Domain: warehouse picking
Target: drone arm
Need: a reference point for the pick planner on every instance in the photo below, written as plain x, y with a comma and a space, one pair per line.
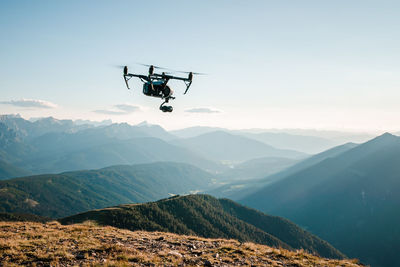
166, 76
128, 76
126, 81
188, 84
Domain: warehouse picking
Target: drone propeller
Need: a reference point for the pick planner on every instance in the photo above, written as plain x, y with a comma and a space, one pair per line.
154, 66
194, 73
187, 72
119, 66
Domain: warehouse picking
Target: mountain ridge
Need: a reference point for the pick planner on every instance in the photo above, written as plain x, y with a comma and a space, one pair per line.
205, 216
58, 195
349, 200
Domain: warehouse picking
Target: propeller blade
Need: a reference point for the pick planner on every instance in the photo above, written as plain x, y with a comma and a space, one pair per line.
154, 66
187, 72
119, 66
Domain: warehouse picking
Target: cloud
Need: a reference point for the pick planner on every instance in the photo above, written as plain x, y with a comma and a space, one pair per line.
120, 109
202, 110
127, 107
29, 103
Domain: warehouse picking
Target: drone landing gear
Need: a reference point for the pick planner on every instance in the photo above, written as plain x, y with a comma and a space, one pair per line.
166, 108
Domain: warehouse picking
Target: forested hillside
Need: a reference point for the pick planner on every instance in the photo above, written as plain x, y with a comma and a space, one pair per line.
206, 216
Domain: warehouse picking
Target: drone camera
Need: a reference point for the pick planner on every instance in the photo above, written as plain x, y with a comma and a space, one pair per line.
166, 108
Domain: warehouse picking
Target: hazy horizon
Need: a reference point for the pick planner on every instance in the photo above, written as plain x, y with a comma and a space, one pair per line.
299, 131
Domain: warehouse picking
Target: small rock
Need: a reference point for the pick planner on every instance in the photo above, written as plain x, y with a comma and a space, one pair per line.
175, 253
160, 238
207, 263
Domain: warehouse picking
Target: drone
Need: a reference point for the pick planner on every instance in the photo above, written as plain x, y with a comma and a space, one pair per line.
155, 84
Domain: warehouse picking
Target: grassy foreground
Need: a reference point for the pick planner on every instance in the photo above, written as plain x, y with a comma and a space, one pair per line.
53, 244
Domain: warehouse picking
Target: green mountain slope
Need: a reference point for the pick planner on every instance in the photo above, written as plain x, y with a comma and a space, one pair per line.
206, 216
57, 195
21, 217
350, 200
9, 171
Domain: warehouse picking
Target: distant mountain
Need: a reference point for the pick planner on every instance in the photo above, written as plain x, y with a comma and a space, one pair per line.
32, 129
256, 168
93, 123
350, 200
57, 195
125, 131
239, 189
57, 153
12, 147
9, 171
206, 216
224, 146
48, 145
42, 126
308, 141
339, 137
196, 131
303, 143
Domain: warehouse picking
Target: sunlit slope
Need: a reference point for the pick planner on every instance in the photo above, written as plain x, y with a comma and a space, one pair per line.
86, 244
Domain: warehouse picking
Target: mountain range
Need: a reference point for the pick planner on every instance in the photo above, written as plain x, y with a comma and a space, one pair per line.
223, 146
346, 194
237, 190
58, 195
351, 200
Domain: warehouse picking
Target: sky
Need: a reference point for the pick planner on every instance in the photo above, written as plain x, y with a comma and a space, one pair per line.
270, 64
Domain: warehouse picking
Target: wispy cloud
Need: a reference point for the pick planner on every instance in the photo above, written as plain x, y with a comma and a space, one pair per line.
120, 109
127, 107
29, 103
202, 110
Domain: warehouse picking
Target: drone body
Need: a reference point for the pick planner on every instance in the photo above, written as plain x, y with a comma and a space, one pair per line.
155, 84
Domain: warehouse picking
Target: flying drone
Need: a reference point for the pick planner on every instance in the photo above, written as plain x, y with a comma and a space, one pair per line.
155, 84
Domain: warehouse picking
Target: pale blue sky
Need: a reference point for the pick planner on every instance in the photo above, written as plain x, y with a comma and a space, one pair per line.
271, 64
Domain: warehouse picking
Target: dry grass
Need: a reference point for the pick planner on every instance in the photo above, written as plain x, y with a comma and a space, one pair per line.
52, 244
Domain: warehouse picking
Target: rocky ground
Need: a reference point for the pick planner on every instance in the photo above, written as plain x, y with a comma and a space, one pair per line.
53, 244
